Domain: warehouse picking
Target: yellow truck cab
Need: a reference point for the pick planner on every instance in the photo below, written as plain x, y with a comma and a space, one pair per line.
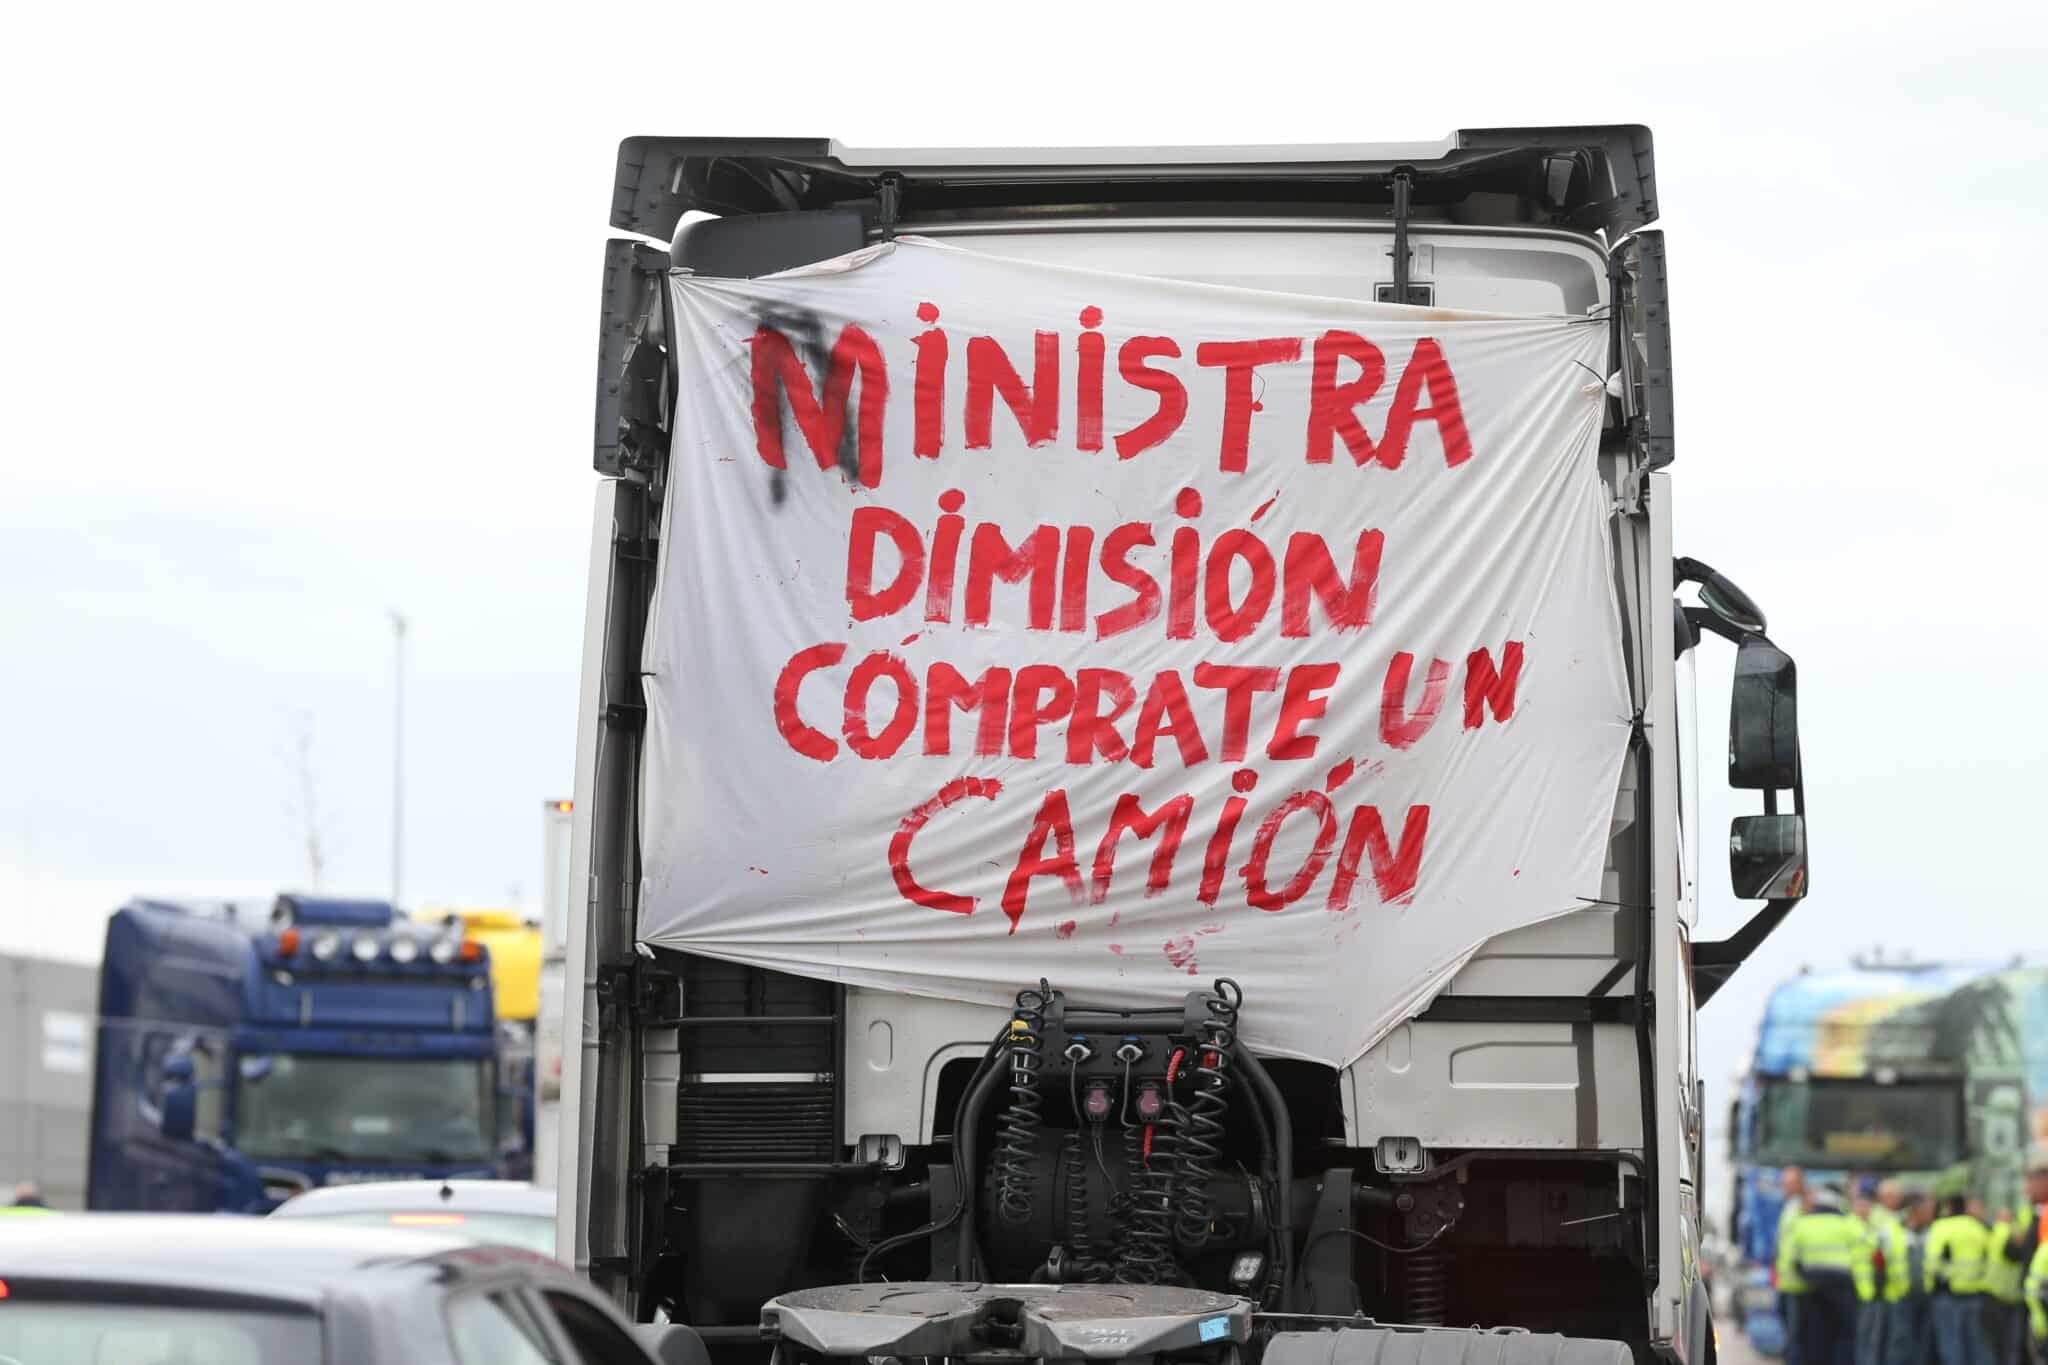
513, 942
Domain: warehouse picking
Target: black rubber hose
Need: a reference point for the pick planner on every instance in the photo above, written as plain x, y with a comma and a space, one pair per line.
965, 1127
1275, 1238
962, 1188
1283, 1166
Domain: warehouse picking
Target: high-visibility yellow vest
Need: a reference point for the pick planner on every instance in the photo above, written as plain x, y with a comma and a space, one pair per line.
1888, 1241
1788, 1275
2004, 1280
1823, 1243
25, 1208
1958, 1248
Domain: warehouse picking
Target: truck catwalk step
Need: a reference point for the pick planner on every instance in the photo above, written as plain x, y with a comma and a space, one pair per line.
1439, 1346
1029, 1321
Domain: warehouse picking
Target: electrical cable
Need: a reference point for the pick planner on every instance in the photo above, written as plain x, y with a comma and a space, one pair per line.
1094, 1126
1023, 1119
962, 1189
1422, 1245
1198, 1128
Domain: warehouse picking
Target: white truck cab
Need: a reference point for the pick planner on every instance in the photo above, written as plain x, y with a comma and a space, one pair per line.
1524, 1153
557, 902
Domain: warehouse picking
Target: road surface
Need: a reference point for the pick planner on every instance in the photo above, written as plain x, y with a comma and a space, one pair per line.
1735, 1350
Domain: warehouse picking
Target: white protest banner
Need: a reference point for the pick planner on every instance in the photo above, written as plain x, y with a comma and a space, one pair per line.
1020, 621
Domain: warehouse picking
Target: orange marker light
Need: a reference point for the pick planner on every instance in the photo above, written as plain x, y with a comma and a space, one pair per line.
288, 942
565, 805
3, 1289
425, 1220
471, 950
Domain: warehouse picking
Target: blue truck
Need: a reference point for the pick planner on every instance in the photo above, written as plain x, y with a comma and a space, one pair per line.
245, 1055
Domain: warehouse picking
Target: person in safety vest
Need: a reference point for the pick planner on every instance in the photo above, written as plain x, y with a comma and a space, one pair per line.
2030, 1231
2005, 1302
1827, 1251
2037, 1300
1958, 1247
1792, 1183
1886, 1332
1915, 1345
1861, 1207
27, 1199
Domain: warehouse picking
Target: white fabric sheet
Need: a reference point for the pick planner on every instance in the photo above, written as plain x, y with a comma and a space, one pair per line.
820, 799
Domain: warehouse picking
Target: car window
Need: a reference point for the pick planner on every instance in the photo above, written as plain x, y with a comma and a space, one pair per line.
209, 1101
497, 1329
597, 1339
82, 1332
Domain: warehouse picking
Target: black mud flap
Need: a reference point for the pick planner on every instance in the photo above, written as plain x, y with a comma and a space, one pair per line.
1439, 1346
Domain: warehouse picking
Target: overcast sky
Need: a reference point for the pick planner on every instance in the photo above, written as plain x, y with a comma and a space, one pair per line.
300, 318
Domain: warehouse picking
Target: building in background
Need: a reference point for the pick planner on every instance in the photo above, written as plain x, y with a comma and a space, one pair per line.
46, 1016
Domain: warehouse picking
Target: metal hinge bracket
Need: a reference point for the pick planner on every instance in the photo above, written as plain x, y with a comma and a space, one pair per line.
659, 998
888, 203
1633, 500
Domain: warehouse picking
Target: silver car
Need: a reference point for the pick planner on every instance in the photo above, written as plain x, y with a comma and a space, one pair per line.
509, 1212
172, 1289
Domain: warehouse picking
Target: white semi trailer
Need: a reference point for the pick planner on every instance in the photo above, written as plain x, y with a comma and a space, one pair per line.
813, 1112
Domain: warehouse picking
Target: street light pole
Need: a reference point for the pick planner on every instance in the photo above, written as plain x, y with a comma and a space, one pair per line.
397, 756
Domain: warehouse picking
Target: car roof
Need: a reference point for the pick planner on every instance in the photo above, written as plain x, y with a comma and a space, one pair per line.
456, 1196
258, 1258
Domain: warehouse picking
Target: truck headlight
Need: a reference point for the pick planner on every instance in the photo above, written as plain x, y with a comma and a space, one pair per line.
444, 950
364, 948
404, 949
326, 947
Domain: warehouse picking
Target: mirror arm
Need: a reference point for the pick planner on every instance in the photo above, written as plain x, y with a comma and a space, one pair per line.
1703, 619
1715, 962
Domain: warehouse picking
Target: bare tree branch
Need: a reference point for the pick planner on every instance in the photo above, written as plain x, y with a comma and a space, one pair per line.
303, 802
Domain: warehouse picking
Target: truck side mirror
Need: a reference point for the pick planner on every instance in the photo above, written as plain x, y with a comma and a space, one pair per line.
1767, 857
1763, 718
179, 1112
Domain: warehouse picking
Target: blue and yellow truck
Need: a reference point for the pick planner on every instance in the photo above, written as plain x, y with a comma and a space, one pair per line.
1934, 1073
245, 1053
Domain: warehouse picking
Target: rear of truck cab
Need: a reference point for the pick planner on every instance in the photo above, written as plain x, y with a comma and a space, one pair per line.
1526, 1150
